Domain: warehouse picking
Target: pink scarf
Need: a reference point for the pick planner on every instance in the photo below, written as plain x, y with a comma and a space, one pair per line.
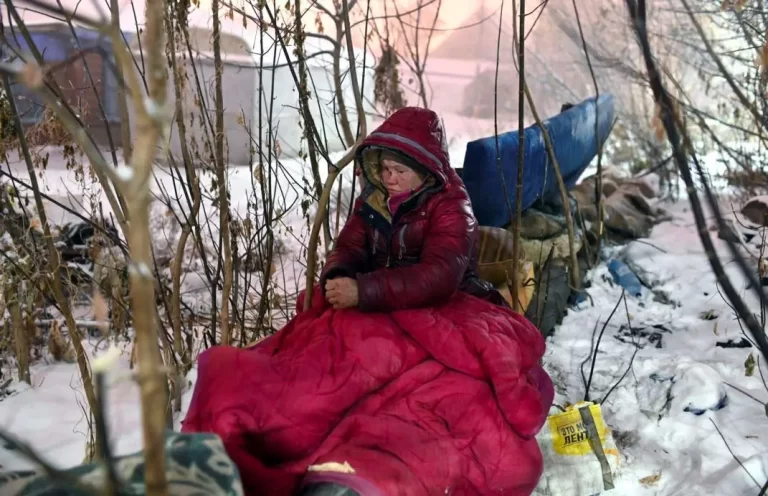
394, 201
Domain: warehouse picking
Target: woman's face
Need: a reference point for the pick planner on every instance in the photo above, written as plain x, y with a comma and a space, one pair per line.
397, 177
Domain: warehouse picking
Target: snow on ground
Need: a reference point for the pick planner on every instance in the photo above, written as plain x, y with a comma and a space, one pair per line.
655, 436
49, 414
647, 410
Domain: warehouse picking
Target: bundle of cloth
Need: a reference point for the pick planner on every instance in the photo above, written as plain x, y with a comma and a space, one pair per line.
408, 374
630, 214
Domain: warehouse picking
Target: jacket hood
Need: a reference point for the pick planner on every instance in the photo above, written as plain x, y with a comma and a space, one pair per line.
417, 134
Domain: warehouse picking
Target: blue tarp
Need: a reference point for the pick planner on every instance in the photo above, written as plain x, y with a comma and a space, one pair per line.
573, 138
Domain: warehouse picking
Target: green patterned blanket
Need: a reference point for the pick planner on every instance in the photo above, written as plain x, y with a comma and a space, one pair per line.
197, 465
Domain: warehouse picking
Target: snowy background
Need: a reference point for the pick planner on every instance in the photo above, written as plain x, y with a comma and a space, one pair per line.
688, 416
675, 389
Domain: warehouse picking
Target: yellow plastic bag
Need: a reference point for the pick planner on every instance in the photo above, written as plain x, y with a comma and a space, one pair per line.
580, 455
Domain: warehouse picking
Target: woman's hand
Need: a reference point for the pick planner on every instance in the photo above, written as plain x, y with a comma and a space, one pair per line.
342, 292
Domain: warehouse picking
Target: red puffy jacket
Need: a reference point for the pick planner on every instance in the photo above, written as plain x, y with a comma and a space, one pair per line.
429, 246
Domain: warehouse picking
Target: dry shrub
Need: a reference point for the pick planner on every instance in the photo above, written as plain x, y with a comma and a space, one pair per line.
58, 346
752, 182
48, 131
387, 91
7, 130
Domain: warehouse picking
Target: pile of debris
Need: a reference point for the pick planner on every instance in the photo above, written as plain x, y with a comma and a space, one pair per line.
545, 290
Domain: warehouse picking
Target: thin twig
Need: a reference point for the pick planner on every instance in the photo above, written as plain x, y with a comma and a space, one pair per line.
597, 346
743, 392
598, 143
502, 179
520, 151
631, 360
325, 197
733, 454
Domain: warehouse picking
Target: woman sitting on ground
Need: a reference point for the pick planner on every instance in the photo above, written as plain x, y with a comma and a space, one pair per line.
408, 375
416, 214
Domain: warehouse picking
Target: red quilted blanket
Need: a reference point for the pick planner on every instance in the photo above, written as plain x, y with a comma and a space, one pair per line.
444, 400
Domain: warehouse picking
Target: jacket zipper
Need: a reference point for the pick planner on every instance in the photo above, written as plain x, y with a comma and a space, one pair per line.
401, 250
389, 251
402, 242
